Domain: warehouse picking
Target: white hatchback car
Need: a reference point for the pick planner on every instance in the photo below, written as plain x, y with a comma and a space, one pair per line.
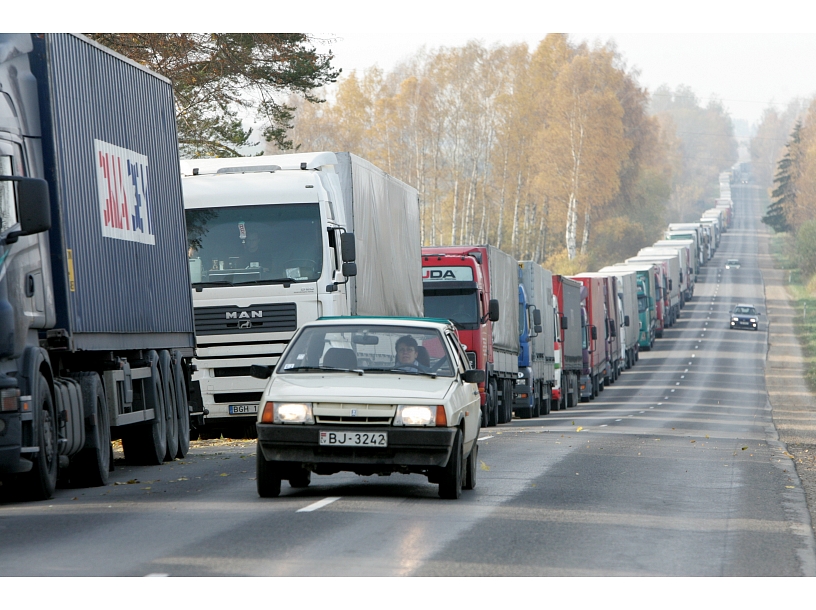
370, 396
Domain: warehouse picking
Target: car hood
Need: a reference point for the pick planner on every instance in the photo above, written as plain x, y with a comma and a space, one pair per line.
372, 388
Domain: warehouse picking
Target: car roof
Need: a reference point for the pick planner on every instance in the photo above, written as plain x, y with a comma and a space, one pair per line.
744, 305
438, 323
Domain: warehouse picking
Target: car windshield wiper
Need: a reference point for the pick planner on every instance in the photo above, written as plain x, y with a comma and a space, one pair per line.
360, 372
200, 285
398, 370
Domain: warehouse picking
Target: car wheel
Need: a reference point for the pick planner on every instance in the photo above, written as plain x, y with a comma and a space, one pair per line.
450, 481
300, 477
471, 467
267, 475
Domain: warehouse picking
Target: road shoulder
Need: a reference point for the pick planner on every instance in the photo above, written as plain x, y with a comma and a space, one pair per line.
792, 402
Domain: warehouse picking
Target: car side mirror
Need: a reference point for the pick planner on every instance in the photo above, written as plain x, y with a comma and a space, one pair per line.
626, 320
348, 249
260, 371
473, 376
493, 310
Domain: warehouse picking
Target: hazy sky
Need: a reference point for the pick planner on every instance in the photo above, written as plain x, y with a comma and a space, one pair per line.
745, 71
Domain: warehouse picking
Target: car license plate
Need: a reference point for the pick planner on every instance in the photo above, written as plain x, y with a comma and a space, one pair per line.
348, 438
243, 409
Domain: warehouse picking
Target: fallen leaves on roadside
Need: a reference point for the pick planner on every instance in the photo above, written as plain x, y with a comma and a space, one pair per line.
744, 448
788, 455
483, 466
223, 474
790, 487
579, 428
693, 441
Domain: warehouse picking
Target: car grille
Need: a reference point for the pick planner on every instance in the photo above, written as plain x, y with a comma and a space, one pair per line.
337, 419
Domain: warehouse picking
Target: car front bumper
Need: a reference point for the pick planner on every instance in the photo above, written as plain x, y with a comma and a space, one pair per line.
409, 448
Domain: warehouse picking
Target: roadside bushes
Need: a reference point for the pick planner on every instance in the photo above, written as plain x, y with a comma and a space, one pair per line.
806, 248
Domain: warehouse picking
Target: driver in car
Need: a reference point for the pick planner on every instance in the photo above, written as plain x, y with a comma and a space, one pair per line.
408, 356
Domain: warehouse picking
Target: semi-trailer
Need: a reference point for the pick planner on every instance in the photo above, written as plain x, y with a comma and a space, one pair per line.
593, 340
615, 357
689, 264
96, 319
628, 306
571, 325
477, 288
277, 241
647, 283
672, 279
536, 375
679, 274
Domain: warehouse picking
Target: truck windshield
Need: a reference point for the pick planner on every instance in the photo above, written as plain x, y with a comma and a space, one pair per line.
255, 244
643, 303
368, 348
460, 306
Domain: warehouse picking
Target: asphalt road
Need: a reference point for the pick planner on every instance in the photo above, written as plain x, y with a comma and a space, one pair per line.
674, 470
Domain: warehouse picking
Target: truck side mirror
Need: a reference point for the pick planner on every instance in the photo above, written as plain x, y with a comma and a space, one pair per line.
594, 333
537, 329
537, 317
33, 206
260, 371
348, 250
564, 323
349, 269
670, 285
493, 310
626, 320
613, 332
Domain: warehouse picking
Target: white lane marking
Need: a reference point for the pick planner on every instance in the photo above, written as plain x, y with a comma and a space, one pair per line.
672, 390
155, 574
693, 356
651, 407
659, 404
677, 383
484, 438
318, 504
618, 420
682, 376
686, 371
642, 411
689, 364
603, 425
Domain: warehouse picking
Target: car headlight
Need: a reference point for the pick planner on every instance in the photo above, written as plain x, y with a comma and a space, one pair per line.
735, 319
287, 413
753, 320
420, 415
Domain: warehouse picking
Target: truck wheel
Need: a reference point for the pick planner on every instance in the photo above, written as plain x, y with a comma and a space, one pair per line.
147, 444
182, 408
537, 400
40, 481
501, 417
507, 399
546, 400
471, 467
90, 467
267, 475
451, 479
170, 408
492, 404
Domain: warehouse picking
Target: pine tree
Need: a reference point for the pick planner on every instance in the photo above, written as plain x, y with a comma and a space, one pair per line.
784, 195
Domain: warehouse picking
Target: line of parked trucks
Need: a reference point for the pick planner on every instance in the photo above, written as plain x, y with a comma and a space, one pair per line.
136, 291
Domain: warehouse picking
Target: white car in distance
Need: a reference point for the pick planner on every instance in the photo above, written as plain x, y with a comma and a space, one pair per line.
370, 396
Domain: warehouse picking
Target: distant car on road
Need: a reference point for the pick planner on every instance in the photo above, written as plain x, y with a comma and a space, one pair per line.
370, 396
744, 316
732, 263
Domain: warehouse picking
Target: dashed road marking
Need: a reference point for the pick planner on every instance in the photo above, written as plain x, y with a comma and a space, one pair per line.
484, 438
316, 505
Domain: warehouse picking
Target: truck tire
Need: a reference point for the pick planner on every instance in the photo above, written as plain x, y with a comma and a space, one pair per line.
170, 408
147, 443
492, 404
501, 410
182, 408
40, 481
90, 467
267, 475
452, 475
471, 468
546, 400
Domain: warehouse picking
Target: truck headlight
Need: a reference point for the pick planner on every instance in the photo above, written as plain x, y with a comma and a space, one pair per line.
287, 413
420, 415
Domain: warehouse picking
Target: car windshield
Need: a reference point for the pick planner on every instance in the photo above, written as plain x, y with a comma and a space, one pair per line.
733, 261
254, 244
368, 348
747, 311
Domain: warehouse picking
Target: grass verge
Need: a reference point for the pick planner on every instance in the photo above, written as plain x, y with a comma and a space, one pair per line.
803, 293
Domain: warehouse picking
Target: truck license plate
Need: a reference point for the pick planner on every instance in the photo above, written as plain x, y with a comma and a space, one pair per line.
348, 438
243, 409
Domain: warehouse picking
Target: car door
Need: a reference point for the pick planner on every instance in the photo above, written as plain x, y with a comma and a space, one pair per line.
465, 397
